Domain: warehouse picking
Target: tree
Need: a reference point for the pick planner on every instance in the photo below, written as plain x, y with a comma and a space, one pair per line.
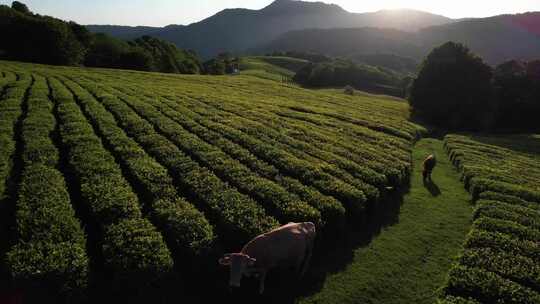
214, 67
453, 89
136, 59
82, 34
20, 7
516, 88
55, 43
105, 52
303, 75
44, 39
510, 83
35, 38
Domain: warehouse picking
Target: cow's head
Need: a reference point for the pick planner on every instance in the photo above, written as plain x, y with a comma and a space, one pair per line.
239, 264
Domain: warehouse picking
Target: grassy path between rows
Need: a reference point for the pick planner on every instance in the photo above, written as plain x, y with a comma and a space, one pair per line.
408, 261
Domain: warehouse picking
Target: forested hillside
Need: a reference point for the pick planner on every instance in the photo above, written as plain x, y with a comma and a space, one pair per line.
288, 25
496, 39
237, 30
42, 39
347, 42
487, 37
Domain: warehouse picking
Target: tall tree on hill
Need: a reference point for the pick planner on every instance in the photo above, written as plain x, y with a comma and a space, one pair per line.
517, 87
20, 7
510, 84
453, 89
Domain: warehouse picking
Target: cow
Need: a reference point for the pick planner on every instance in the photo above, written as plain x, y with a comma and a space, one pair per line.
286, 246
429, 164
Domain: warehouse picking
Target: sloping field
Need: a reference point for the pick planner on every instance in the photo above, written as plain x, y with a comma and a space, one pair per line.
501, 261
271, 68
116, 180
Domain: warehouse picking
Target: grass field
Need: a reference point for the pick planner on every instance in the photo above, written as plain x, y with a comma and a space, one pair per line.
271, 68
408, 260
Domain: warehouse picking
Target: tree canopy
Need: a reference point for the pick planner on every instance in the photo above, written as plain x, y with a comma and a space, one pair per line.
42, 39
34, 38
517, 88
453, 89
456, 90
20, 7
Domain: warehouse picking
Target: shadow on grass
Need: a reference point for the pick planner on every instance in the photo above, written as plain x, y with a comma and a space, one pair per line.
6, 240
331, 255
430, 185
433, 131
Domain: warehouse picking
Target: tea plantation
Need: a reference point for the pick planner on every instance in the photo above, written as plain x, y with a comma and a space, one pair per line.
124, 185
501, 261
117, 180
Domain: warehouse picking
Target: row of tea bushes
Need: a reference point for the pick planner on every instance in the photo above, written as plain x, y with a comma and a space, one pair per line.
501, 260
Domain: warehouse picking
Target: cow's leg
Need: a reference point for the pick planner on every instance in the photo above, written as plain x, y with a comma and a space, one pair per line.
262, 278
251, 272
298, 265
307, 259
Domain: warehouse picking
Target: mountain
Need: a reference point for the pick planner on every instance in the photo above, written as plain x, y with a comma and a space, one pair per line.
495, 39
240, 29
347, 42
287, 25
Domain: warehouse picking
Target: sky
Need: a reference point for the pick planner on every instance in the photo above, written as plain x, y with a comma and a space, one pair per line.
165, 12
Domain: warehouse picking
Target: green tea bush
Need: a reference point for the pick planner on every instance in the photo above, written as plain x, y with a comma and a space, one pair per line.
520, 269
50, 245
504, 211
507, 227
135, 254
50, 268
502, 250
281, 204
10, 111
108, 197
182, 224
488, 287
514, 200
331, 210
234, 214
456, 300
